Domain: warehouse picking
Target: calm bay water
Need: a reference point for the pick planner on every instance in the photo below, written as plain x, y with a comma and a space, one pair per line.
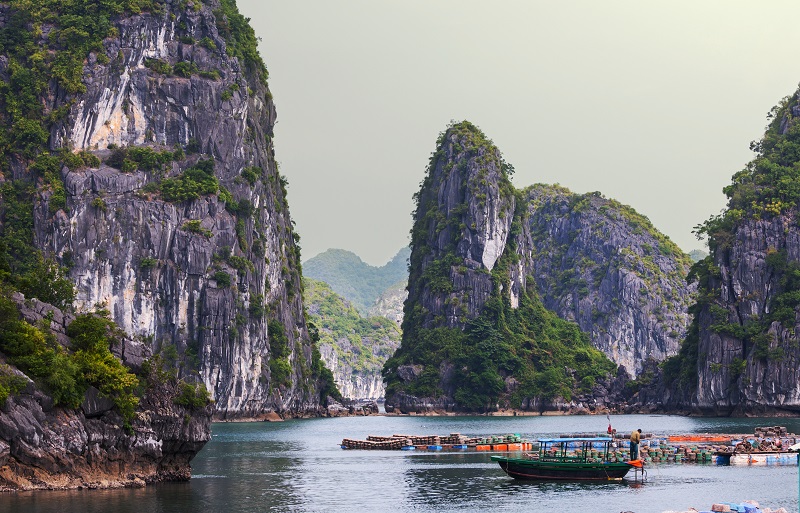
298, 466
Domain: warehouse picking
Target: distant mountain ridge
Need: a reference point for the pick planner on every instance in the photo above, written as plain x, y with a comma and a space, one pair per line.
355, 280
697, 254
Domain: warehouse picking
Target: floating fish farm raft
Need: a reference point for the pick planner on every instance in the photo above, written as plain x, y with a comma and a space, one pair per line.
683, 448
451, 442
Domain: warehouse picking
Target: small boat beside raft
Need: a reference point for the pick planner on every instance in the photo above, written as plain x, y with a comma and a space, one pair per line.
756, 458
569, 459
758, 452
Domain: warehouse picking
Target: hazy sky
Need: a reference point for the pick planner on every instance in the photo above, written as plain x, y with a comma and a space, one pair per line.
651, 103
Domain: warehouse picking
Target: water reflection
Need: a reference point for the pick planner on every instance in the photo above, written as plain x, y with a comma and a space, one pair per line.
298, 466
253, 472
469, 481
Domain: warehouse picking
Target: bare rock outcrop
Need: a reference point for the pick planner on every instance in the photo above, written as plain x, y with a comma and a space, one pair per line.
44, 446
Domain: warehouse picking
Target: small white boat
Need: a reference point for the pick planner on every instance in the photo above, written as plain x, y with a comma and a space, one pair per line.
756, 458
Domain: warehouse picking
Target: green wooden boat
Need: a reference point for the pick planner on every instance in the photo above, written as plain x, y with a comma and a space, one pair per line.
568, 459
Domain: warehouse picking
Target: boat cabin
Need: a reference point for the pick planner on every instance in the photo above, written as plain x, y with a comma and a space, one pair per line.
575, 449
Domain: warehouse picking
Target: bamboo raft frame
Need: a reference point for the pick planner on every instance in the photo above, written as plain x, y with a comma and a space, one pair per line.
453, 441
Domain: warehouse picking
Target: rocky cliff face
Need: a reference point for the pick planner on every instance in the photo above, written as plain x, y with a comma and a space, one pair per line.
390, 303
353, 347
742, 350
463, 220
600, 264
476, 335
45, 446
356, 385
42, 447
205, 261
753, 372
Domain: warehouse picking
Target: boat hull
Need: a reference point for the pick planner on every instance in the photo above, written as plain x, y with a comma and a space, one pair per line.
562, 471
757, 458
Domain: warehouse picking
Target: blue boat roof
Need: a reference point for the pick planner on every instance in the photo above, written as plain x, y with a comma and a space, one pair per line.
592, 439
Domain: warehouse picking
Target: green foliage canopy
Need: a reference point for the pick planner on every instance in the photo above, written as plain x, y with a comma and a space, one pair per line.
196, 181
67, 375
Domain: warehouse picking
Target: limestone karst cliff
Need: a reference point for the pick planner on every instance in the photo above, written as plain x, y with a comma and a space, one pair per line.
741, 354
390, 303
486, 259
474, 336
139, 181
602, 265
180, 226
353, 347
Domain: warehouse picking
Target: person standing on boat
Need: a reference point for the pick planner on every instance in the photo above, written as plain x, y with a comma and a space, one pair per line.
636, 437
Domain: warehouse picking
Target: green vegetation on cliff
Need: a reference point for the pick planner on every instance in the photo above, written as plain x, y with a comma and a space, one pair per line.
47, 44
53, 56
362, 343
64, 374
240, 38
28, 113
647, 247
76, 29
22, 266
504, 355
769, 185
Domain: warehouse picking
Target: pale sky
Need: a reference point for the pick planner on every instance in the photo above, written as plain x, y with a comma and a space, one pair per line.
651, 103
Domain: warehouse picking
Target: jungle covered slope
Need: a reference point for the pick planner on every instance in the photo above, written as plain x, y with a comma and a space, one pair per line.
742, 352
353, 346
138, 165
471, 341
353, 279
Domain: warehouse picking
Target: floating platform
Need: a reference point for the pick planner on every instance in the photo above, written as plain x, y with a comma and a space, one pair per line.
679, 448
451, 442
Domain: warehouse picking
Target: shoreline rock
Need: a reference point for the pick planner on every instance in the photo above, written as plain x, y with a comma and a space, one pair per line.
44, 448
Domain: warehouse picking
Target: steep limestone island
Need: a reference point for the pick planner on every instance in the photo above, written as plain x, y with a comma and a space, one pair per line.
149, 272
488, 261
741, 354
